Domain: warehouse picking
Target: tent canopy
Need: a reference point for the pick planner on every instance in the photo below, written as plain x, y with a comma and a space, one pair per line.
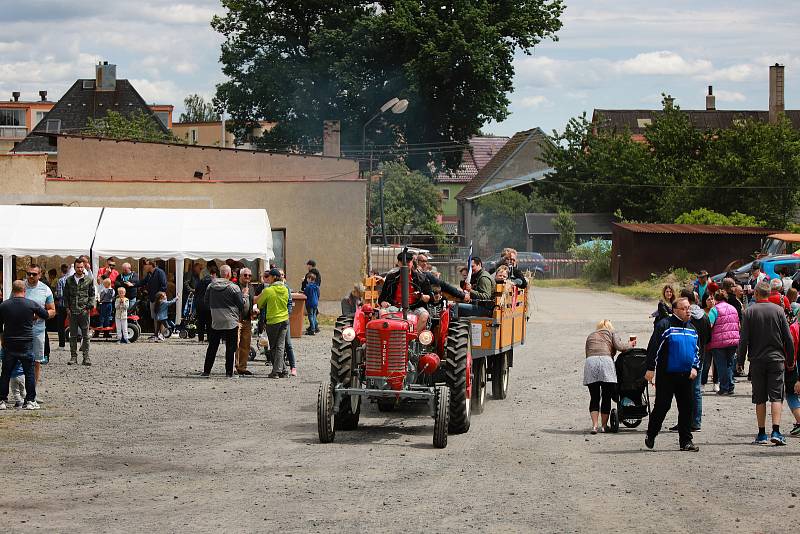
207, 234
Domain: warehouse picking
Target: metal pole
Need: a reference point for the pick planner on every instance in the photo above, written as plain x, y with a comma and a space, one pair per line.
383, 222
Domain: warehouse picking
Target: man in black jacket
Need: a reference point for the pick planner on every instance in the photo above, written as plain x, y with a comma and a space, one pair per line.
203, 313
419, 290
155, 282
16, 321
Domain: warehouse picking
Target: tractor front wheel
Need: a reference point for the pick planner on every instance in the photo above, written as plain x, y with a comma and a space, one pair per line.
455, 366
442, 418
325, 415
478, 385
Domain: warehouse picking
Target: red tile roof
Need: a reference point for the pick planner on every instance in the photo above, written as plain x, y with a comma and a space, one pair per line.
480, 151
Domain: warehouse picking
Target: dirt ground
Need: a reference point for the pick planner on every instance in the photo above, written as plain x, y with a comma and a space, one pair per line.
132, 445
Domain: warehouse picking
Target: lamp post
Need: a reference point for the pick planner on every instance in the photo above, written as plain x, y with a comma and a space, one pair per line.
397, 106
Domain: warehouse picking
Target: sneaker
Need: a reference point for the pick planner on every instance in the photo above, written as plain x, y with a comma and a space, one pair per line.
795, 431
293, 372
777, 438
18, 404
729, 393
87, 361
761, 439
3, 405
246, 373
716, 388
593, 431
30, 405
73, 361
696, 429
205, 374
649, 442
316, 330
690, 447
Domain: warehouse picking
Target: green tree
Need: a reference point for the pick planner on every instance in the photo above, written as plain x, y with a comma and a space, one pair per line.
411, 202
501, 218
707, 216
138, 126
564, 224
299, 63
198, 110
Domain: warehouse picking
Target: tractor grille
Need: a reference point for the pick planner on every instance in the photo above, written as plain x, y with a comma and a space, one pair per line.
386, 352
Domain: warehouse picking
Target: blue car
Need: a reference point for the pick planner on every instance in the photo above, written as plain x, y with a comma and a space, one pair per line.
780, 266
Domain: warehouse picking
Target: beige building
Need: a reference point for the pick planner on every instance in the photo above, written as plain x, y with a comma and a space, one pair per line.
210, 134
316, 204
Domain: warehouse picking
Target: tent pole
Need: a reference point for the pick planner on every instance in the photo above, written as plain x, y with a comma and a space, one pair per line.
178, 289
8, 276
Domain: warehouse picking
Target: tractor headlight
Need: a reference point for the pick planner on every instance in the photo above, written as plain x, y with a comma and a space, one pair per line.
426, 337
348, 334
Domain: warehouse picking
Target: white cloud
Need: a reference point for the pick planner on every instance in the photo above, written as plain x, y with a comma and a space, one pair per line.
7, 47
729, 96
533, 102
735, 73
158, 91
662, 62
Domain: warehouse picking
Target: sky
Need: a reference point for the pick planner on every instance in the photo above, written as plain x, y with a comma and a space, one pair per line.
610, 54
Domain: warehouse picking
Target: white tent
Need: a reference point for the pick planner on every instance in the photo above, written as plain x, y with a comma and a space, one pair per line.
183, 234
44, 231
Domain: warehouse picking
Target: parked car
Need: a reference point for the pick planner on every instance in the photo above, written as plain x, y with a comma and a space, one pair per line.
526, 261
782, 266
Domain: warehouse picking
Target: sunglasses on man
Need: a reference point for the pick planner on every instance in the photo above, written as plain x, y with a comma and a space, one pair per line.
33, 274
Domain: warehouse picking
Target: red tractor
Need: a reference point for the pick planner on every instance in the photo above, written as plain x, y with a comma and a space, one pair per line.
384, 360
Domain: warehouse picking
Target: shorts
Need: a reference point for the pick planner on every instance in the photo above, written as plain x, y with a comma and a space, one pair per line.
767, 379
37, 350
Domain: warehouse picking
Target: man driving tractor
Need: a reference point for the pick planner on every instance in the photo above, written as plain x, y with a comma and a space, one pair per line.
419, 293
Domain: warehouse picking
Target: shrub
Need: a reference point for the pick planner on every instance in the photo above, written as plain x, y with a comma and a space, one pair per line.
598, 256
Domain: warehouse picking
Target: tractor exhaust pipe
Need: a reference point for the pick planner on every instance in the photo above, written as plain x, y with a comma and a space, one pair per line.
404, 283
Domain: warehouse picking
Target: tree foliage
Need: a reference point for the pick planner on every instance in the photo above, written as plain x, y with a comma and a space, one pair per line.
411, 202
565, 225
198, 110
299, 63
501, 216
138, 126
707, 216
752, 167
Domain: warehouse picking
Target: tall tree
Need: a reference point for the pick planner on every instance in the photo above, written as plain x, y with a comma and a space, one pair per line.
198, 110
411, 202
299, 63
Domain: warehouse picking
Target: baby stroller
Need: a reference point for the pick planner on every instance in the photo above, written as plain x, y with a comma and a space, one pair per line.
632, 397
188, 327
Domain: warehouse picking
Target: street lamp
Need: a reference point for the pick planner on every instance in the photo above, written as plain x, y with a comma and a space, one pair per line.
397, 106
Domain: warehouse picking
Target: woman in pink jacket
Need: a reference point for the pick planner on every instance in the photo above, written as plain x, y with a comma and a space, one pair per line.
724, 339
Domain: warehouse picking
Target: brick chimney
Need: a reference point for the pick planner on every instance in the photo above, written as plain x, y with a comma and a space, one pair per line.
711, 102
776, 105
331, 138
105, 77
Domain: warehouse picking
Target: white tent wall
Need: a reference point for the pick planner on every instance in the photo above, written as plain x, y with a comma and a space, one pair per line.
44, 231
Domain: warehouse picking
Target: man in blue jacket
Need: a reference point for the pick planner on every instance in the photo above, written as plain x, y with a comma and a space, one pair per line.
673, 353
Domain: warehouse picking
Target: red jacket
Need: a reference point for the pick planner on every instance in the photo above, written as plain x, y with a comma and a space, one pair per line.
776, 297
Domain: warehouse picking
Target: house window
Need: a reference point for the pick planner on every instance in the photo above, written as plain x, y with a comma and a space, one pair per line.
37, 118
644, 122
12, 117
163, 116
445, 194
193, 136
279, 247
53, 125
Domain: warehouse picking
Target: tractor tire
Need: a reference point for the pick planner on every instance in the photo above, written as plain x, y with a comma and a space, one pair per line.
133, 332
500, 375
442, 418
342, 353
455, 367
325, 427
478, 385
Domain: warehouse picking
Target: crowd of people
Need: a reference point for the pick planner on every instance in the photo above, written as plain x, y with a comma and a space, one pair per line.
708, 331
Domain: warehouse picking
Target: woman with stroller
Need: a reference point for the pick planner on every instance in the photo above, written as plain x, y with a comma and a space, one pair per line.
599, 374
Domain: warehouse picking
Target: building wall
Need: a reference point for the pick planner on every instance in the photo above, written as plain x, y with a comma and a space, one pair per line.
450, 207
324, 220
206, 133
30, 108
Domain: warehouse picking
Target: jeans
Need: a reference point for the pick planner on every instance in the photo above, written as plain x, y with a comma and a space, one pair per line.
79, 321
277, 342
106, 314
473, 310
707, 361
724, 364
697, 412
669, 386
61, 319
10, 360
289, 347
231, 344
132, 306
312, 318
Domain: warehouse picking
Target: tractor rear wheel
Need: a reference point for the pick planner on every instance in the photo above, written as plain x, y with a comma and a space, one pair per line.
325, 427
455, 366
342, 373
442, 418
500, 373
478, 385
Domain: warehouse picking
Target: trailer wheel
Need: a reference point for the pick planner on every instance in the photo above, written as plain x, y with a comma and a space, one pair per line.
325, 427
456, 355
442, 417
133, 332
500, 373
478, 385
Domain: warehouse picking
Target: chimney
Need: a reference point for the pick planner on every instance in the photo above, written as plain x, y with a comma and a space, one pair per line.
331, 138
776, 106
105, 77
711, 102
15, 94
43, 94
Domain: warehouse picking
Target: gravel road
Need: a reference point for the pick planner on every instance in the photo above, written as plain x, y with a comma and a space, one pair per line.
132, 444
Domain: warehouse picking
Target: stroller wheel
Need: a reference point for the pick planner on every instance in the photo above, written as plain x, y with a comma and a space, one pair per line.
183, 334
613, 421
631, 423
